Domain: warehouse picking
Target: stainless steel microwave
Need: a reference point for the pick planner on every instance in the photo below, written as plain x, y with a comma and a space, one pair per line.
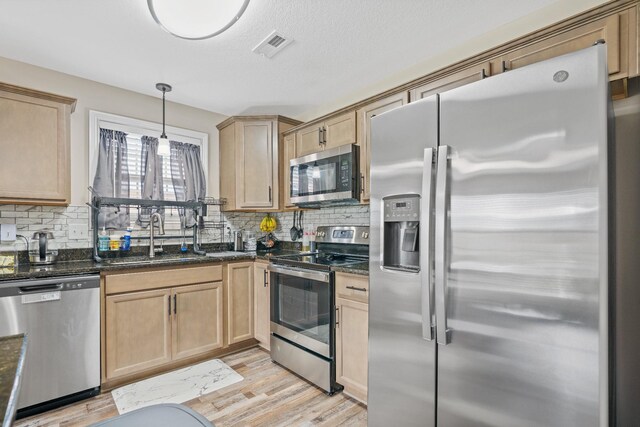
327, 177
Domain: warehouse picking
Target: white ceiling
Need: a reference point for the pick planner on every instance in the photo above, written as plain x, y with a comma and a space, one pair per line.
340, 46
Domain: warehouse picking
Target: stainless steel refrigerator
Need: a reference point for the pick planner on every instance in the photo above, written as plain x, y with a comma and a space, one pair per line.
489, 252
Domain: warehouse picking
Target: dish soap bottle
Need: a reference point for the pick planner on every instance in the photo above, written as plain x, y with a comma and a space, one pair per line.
103, 240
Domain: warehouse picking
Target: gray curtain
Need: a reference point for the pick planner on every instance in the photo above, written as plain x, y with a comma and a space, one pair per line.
187, 175
151, 173
112, 177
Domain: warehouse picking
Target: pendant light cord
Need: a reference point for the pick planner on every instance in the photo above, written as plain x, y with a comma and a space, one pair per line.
164, 88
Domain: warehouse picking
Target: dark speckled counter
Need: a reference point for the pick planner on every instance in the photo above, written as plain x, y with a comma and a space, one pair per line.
12, 351
86, 266
71, 268
361, 268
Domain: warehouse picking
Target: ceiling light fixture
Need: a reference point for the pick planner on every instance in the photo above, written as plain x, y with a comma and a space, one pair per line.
163, 142
196, 19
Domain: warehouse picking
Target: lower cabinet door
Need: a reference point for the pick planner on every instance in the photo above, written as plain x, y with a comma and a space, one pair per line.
262, 324
352, 332
240, 301
137, 331
197, 319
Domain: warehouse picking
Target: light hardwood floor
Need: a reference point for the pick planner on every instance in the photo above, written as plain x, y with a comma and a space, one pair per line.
268, 396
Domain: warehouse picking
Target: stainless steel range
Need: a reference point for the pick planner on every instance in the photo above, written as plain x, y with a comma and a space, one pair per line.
303, 304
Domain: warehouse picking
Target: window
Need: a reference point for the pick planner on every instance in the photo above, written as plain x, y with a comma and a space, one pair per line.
134, 163
134, 130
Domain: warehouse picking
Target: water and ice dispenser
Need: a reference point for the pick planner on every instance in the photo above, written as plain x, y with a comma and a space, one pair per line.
401, 232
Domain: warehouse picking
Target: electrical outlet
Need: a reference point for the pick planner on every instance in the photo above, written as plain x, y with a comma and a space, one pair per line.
7, 232
78, 231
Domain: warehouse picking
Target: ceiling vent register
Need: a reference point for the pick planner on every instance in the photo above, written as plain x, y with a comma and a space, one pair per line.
272, 44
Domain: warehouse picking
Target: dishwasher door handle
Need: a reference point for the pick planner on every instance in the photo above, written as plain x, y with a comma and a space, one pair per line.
40, 288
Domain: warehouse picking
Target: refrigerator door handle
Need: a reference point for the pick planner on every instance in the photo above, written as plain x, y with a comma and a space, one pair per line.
425, 244
443, 334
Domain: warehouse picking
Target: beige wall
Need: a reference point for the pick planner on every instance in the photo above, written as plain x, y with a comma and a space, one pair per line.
544, 17
97, 96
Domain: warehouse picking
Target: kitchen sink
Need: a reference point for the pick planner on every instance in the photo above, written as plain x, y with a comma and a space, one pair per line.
148, 261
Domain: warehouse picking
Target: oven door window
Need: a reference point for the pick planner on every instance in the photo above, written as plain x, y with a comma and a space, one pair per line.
302, 306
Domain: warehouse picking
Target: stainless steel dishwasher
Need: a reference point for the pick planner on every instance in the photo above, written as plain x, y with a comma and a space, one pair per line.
61, 317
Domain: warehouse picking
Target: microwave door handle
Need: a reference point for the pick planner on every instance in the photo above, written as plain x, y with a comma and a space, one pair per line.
425, 244
443, 333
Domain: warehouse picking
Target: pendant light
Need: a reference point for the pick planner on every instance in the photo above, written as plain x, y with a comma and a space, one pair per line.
163, 142
196, 19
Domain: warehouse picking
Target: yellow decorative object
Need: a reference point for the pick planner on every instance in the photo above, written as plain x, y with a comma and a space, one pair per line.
268, 224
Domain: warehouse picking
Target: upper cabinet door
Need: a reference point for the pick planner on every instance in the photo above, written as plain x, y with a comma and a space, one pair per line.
35, 147
309, 140
607, 29
340, 130
255, 164
364, 133
461, 78
289, 153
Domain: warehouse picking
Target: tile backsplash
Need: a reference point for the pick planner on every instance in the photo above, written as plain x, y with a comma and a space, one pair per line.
57, 219
345, 215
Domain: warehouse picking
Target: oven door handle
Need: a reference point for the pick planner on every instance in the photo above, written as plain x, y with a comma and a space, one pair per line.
318, 276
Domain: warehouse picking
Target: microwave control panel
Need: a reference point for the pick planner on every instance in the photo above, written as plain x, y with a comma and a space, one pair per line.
405, 208
345, 173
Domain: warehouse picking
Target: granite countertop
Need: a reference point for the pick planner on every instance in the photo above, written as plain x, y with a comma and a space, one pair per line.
12, 351
361, 268
88, 266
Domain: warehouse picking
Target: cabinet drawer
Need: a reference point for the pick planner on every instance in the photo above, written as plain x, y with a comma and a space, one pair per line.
164, 278
352, 287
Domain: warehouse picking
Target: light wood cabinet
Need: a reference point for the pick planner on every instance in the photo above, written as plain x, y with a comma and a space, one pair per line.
251, 152
262, 305
619, 31
331, 133
239, 301
154, 319
138, 331
340, 130
309, 140
256, 165
35, 147
364, 115
352, 332
197, 319
460, 78
289, 153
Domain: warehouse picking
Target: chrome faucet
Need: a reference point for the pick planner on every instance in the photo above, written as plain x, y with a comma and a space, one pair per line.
152, 220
